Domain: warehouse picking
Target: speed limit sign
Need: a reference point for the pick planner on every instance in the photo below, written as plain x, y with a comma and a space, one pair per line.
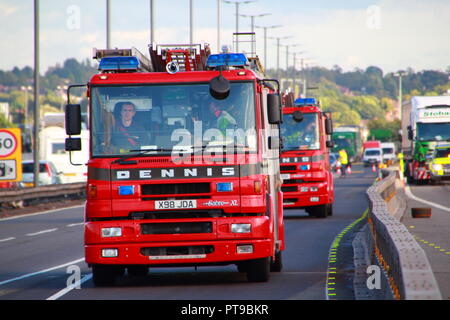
10, 155
8, 143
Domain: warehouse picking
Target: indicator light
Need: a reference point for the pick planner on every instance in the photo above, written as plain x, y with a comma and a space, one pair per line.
126, 190
224, 187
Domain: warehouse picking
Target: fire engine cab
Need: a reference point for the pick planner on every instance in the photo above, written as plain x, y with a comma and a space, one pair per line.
184, 163
305, 167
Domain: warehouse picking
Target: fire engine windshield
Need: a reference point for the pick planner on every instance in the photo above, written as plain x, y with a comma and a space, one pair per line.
302, 135
161, 119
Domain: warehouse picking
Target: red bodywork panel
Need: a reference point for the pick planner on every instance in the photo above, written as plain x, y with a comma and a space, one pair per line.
303, 169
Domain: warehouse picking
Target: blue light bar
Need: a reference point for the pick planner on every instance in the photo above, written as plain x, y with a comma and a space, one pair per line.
227, 59
119, 64
305, 101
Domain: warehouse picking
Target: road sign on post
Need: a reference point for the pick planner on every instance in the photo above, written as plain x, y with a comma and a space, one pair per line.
10, 155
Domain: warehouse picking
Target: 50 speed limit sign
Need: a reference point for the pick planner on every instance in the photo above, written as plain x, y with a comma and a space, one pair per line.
10, 155
8, 143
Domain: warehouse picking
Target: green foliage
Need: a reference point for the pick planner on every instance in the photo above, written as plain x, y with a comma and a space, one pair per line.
384, 130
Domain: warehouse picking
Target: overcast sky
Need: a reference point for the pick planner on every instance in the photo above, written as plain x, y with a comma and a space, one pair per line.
391, 34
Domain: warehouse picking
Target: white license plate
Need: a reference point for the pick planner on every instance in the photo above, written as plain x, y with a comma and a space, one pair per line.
175, 204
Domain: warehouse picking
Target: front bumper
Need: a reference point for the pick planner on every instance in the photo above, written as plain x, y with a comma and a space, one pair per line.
222, 252
182, 246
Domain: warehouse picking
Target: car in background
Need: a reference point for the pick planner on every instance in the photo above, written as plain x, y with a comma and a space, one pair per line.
372, 156
47, 173
440, 163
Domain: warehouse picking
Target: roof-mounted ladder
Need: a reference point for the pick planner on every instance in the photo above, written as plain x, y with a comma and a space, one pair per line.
188, 57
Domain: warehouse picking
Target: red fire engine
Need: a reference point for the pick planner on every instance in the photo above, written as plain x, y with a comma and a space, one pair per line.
184, 163
307, 176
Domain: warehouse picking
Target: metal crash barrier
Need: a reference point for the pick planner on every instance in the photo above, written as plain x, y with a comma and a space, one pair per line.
56, 192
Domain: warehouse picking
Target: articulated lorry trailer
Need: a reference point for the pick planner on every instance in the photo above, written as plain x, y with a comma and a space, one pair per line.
425, 122
184, 163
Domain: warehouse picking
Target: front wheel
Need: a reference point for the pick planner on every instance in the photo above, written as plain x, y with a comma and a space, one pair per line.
105, 275
276, 264
258, 270
330, 209
320, 211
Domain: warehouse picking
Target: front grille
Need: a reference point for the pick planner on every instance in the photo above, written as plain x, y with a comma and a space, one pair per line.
183, 214
175, 251
290, 200
288, 168
175, 188
176, 228
293, 181
187, 214
289, 189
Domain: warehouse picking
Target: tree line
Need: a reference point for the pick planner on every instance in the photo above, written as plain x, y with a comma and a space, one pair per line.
351, 96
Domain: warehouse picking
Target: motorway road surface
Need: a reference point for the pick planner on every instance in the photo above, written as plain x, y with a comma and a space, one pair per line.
432, 233
36, 251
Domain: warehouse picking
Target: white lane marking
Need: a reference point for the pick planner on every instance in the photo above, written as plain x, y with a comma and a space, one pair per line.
75, 224
7, 239
436, 205
66, 290
40, 213
41, 232
42, 271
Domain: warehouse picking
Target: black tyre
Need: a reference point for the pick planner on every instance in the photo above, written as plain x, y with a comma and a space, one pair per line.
259, 270
277, 264
105, 275
137, 271
321, 211
330, 209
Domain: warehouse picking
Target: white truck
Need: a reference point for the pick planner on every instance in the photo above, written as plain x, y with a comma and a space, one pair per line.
425, 121
52, 148
389, 151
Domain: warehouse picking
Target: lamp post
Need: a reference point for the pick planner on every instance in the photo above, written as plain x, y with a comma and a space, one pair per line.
294, 73
287, 54
237, 3
191, 22
252, 19
278, 51
108, 24
36, 131
400, 74
265, 40
152, 22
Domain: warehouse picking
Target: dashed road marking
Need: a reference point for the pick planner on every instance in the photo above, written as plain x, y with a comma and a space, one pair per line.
41, 232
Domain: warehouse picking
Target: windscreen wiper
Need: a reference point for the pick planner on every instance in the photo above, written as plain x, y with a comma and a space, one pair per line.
141, 152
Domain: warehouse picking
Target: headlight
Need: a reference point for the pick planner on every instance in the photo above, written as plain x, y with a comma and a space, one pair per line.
437, 166
241, 228
111, 232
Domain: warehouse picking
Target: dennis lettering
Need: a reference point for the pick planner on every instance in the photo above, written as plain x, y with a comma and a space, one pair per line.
175, 173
